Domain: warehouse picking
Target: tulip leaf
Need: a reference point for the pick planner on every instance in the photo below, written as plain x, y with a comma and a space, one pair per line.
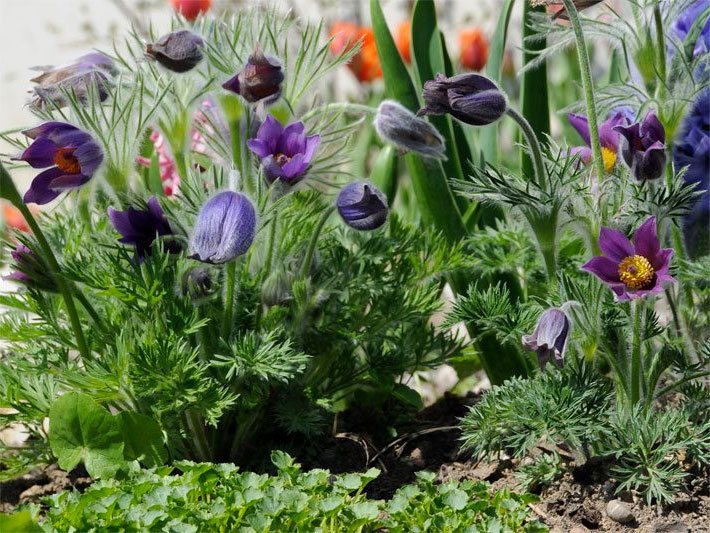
385, 171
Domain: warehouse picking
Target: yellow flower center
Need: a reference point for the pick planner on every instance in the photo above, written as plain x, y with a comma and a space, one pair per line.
636, 272
609, 158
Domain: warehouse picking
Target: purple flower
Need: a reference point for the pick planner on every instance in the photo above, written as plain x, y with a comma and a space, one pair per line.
141, 227
692, 152
285, 153
225, 228
260, 79
399, 126
608, 137
179, 51
362, 206
685, 22
632, 270
471, 98
549, 339
30, 270
644, 150
72, 155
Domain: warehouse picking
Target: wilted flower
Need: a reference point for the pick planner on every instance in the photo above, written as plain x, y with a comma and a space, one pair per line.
632, 270
399, 126
549, 339
473, 49
191, 9
141, 227
72, 155
260, 79
403, 40
225, 228
471, 98
608, 137
692, 152
89, 72
179, 51
644, 150
285, 153
30, 270
365, 64
362, 206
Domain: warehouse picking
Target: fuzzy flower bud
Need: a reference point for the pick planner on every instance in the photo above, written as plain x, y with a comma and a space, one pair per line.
396, 124
178, 51
471, 98
644, 149
30, 270
260, 79
197, 284
225, 228
362, 206
549, 339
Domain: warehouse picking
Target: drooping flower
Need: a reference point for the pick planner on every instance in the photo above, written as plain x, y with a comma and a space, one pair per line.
362, 206
72, 155
471, 98
365, 64
260, 79
473, 49
692, 153
179, 51
608, 137
549, 340
30, 270
632, 270
90, 73
285, 152
225, 228
142, 227
396, 124
191, 9
644, 149
685, 21
403, 40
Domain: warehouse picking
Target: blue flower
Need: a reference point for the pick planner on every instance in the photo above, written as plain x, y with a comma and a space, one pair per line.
685, 22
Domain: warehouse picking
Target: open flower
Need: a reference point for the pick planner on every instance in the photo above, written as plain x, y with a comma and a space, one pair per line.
141, 227
549, 340
473, 49
644, 148
72, 155
632, 270
191, 9
260, 79
608, 137
179, 51
471, 98
398, 125
362, 206
285, 152
365, 64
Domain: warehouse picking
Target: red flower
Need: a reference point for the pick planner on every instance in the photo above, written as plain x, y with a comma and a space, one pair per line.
473, 49
190, 9
366, 63
403, 39
13, 218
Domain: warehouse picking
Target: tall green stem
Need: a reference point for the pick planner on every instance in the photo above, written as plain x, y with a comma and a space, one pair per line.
534, 144
636, 311
308, 259
661, 49
586, 74
229, 299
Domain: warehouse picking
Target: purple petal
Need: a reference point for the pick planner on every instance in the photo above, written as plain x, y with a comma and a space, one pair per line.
584, 153
646, 240
259, 147
272, 169
295, 167
120, 221
40, 154
581, 124
270, 131
154, 208
48, 128
90, 157
68, 181
652, 163
653, 128
312, 144
661, 261
291, 143
615, 244
39, 192
608, 137
232, 84
604, 268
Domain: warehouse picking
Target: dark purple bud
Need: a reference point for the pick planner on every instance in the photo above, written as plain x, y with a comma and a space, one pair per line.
225, 228
549, 339
397, 125
197, 284
179, 51
260, 79
362, 206
643, 147
30, 270
141, 227
471, 98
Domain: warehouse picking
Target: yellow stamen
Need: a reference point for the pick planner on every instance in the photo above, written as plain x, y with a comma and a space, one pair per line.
636, 272
609, 158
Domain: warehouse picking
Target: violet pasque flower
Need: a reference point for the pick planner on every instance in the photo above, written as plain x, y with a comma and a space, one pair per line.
396, 124
549, 340
141, 227
608, 137
72, 155
643, 147
30, 270
92, 71
179, 51
632, 270
225, 228
260, 79
285, 153
685, 21
471, 98
362, 206
692, 153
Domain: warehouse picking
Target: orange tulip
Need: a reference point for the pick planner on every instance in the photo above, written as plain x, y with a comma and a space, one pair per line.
13, 218
366, 63
403, 38
473, 49
190, 9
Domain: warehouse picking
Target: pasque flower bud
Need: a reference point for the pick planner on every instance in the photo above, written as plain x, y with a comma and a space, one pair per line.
362, 206
644, 150
260, 79
197, 284
471, 98
396, 124
549, 339
178, 51
30, 270
225, 228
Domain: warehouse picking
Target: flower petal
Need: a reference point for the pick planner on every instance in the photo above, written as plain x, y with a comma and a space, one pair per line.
581, 124
653, 128
584, 153
90, 157
312, 144
68, 181
661, 261
40, 154
615, 244
48, 128
270, 131
40, 192
259, 147
295, 167
604, 268
646, 240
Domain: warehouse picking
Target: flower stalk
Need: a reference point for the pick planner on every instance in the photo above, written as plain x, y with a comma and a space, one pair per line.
533, 144
310, 251
635, 389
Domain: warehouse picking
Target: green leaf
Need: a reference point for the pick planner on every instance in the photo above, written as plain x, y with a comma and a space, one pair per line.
83, 431
155, 184
408, 396
384, 172
19, 523
456, 499
7, 187
143, 439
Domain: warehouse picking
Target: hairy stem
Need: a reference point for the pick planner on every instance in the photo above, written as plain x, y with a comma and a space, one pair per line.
534, 145
636, 311
229, 300
308, 259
